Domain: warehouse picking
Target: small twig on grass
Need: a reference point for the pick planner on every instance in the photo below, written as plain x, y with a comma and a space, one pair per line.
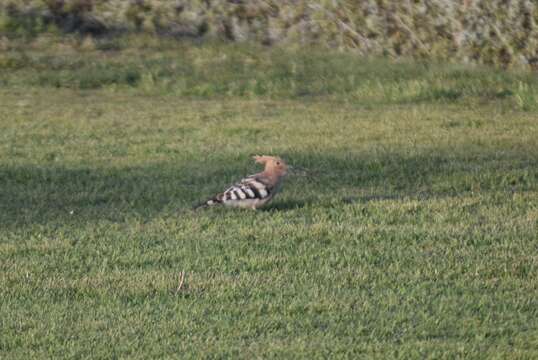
181, 280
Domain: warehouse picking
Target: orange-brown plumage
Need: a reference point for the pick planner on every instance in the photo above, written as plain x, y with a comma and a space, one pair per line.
255, 190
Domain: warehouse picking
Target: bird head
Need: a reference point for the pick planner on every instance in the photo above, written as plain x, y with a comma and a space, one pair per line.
273, 164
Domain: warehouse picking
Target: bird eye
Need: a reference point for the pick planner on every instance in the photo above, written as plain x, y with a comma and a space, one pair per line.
278, 162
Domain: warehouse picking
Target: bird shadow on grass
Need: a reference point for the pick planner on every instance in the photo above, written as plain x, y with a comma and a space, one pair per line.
36, 195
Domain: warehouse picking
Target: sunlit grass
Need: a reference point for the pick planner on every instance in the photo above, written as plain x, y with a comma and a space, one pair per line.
408, 231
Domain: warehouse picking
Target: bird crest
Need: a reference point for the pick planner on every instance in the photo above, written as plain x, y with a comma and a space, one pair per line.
263, 159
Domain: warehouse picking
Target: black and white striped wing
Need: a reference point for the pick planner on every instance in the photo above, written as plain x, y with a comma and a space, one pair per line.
248, 189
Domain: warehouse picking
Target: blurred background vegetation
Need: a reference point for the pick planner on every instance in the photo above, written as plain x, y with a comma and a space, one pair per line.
502, 33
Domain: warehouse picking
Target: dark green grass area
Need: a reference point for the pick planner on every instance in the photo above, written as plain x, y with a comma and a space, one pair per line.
158, 66
409, 228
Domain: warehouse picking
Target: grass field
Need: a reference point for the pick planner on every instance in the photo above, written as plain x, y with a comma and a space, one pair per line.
410, 231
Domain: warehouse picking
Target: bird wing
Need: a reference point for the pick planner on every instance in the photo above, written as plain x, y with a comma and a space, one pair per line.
251, 187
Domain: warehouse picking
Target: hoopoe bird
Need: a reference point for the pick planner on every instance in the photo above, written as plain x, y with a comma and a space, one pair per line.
256, 190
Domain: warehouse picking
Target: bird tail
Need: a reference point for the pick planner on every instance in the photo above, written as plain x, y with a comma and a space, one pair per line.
211, 202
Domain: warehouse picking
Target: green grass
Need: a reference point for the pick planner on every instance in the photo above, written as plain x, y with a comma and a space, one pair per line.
162, 67
411, 230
